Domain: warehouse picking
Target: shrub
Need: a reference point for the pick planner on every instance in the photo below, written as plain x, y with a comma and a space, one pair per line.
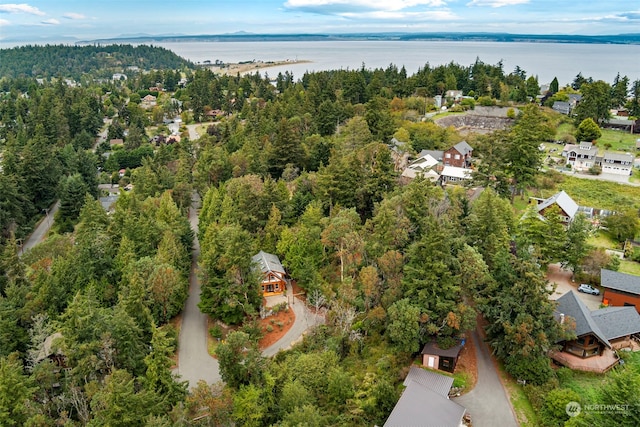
216, 332
554, 408
279, 324
595, 170
269, 328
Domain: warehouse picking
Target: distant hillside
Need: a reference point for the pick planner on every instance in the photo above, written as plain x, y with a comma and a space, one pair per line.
74, 61
497, 37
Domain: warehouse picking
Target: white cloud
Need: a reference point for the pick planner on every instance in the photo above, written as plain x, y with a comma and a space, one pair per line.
72, 15
329, 6
51, 21
20, 8
4, 23
436, 15
496, 3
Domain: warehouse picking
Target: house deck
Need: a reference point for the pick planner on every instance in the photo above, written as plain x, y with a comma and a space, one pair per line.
599, 364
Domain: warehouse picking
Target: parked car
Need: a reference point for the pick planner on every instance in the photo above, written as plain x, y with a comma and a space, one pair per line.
588, 289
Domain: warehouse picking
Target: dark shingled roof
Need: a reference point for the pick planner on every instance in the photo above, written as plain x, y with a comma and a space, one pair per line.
570, 304
421, 407
432, 348
616, 322
620, 281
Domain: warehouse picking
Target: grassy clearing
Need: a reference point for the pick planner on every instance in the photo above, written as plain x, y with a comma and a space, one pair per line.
595, 193
565, 129
620, 141
602, 239
629, 267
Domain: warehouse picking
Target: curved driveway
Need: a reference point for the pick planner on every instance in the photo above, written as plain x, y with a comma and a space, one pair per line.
488, 403
194, 362
304, 320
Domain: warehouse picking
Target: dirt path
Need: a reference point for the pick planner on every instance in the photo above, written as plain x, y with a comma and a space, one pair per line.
194, 362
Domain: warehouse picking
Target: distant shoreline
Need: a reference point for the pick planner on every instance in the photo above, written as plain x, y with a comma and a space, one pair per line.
633, 39
231, 69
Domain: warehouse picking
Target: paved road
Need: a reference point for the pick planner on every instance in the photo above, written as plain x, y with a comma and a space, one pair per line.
193, 135
620, 179
42, 229
304, 320
194, 363
488, 402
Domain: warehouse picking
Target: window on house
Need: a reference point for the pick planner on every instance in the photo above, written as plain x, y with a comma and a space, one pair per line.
457, 156
447, 155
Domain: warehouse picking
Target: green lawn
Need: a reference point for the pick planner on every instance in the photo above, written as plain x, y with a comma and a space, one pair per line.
565, 129
629, 267
597, 194
601, 239
620, 141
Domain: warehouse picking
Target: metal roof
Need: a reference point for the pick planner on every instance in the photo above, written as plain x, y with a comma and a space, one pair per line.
421, 407
268, 262
563, 200
439, 383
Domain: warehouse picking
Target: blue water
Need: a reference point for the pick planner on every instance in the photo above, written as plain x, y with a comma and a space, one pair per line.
545, 60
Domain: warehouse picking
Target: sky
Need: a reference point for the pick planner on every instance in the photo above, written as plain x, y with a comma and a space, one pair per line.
59, 20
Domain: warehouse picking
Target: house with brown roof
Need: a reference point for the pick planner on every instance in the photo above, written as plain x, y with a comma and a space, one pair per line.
435, 357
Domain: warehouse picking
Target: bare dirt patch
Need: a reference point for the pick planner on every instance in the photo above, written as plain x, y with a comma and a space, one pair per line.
274, 327
468, 364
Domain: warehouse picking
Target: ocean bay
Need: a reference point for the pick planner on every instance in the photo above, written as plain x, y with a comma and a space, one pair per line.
545, 60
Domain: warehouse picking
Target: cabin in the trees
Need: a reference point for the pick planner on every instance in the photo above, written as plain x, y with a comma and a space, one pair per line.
425, 402
598, 334
568, 208
435, 357
620, 289
274, 280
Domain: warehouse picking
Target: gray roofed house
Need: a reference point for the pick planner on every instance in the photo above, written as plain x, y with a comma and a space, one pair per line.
425, 402
439, 383
617, 163
420, 406
571, 305
273, 273
598, 333
463, 147
567, 205
616, 322
620, 281
562, 107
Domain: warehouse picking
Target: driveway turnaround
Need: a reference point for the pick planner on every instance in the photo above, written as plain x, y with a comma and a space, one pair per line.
304, 320
194, 361
488, 403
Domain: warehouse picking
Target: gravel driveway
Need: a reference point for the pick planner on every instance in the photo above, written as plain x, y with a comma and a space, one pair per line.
562, 278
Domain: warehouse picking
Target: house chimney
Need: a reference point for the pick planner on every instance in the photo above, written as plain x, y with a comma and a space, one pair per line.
562, 318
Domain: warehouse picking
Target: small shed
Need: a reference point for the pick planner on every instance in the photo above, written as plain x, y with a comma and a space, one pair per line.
435, 357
